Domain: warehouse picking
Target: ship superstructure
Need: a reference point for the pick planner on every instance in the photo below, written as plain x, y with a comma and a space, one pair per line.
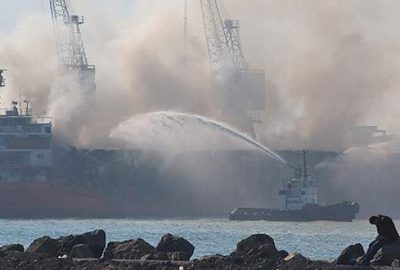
300, 190
25, 144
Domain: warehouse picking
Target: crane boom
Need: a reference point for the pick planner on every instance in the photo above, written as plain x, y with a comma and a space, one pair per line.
215, 35
70, 48
222, 37
239, 93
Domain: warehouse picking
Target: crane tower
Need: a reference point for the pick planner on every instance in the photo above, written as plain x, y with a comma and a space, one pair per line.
239, 92
70, 48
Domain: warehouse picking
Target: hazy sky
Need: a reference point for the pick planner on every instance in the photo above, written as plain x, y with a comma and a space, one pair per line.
14, 11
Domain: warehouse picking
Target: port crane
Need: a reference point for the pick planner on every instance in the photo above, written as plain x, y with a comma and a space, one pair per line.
239, 92
70, 47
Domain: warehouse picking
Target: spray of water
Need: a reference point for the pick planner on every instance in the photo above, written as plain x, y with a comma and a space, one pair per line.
150, 127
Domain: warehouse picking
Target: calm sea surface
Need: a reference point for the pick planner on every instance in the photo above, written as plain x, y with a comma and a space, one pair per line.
321, 240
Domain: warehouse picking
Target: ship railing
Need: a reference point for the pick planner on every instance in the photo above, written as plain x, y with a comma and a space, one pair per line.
41, 120
26, 119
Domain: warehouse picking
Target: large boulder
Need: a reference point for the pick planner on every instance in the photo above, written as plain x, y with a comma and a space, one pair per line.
253, 242
176, 247
45, 245
128, 250
81, 251
387, 254
13, 247
350, 254
257, 251
95, 240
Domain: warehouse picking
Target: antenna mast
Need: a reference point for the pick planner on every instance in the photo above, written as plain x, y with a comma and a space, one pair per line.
185, 27
2, 80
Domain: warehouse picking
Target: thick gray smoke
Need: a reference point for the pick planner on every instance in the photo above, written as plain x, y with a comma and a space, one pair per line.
330, 65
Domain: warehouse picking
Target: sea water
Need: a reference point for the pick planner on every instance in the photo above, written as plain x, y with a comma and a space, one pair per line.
317, 240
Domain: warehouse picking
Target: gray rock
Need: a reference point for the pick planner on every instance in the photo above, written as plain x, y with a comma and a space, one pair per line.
251, 243
387, 254
295, 261
12, 247
45, 245
81, 251
350, 254
283, 254
396, 263
179, 256
96, 241
257, 251
218, 261
129, 250
174, 244
157, 256
33, 261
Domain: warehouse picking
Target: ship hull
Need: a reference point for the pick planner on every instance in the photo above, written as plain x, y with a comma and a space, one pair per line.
345, 212
46, 200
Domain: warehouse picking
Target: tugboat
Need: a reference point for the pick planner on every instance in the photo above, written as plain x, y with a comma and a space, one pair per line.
298, 201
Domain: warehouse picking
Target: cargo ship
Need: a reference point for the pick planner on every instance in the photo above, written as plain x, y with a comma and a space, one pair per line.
298, 201
26, 161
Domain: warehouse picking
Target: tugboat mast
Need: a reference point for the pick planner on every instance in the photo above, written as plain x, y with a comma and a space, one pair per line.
305, 168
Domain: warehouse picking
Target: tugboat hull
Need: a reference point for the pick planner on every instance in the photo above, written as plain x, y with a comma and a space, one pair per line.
345, 212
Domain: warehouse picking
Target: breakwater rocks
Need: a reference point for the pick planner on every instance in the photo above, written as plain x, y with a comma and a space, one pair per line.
89, 251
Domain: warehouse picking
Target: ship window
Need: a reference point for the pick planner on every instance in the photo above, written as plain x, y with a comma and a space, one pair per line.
47, 129
40, 156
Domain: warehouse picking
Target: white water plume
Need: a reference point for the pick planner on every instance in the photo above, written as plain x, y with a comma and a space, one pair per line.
175, 130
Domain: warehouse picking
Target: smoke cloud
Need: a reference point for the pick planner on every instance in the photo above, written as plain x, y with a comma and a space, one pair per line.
330, 65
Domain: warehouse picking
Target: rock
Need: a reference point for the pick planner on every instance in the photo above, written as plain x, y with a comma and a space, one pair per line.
350, 254
218, 261
129, 250
257, 251
157, 256
179, 256
252, 242
32, 261
177, 247
13, 247
68, 242
96, 241
396, 263
81, 251
387, 254
45, 245
283, 254
295, 261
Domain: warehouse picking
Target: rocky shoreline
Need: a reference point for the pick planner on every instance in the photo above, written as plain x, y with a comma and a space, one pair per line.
90, 251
